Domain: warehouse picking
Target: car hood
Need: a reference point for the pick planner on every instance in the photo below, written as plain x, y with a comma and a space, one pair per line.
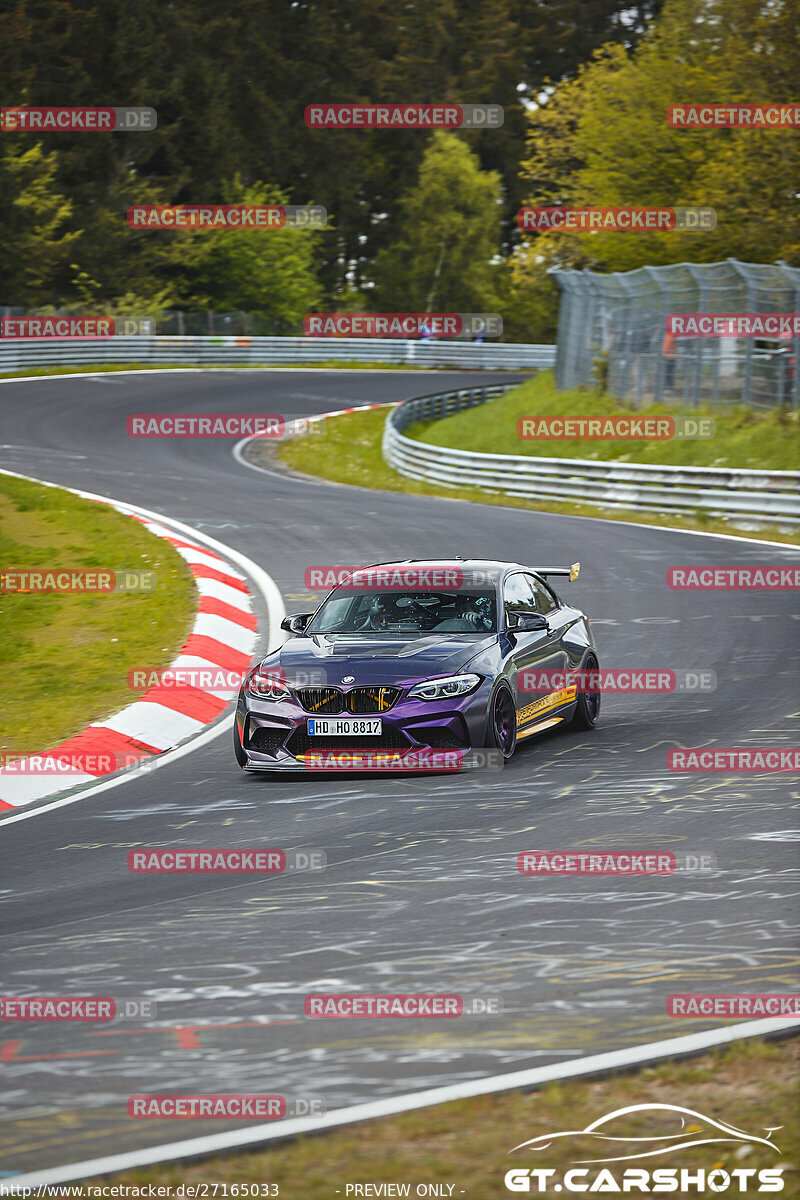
324, 661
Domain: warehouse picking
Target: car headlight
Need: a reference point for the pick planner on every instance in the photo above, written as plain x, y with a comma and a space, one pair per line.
443, 689
266, 686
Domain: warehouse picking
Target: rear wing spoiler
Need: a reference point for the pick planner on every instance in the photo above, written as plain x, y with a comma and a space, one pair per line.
570, 573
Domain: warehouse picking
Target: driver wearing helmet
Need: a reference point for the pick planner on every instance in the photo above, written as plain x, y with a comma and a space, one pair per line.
476, 611
383, 613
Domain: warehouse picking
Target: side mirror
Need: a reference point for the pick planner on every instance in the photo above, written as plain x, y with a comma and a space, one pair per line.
527, 622
296, 624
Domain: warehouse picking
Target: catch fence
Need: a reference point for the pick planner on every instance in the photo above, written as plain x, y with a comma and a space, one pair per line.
613, 328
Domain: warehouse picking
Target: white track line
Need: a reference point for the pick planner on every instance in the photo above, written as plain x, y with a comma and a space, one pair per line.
275, 614
238, 449
216, 1143
94, 374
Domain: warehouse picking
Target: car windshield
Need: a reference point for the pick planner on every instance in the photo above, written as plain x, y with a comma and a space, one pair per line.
356, 611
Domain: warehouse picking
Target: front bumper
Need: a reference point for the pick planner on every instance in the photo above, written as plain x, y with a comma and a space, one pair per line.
380, 763
410, 727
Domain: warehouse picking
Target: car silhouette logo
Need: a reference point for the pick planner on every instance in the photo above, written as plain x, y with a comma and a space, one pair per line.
349, 679
698, 1130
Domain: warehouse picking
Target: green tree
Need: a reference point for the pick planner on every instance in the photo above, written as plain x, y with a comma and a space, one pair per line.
602, 139
446, 255
33, 226
267, 271
110, 260
230, 84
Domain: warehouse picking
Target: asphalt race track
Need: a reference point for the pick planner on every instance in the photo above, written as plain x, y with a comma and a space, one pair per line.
421, 892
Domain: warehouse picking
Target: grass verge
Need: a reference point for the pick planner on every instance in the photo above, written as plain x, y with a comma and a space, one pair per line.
349, 451
743, 437
752, 1085
66, 657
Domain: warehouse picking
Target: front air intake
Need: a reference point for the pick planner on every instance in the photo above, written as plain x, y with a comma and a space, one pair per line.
358, 700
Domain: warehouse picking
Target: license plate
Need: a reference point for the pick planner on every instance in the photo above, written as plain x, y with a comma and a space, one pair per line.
344, 726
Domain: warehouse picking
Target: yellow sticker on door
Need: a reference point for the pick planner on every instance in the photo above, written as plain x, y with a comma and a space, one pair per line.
545, 703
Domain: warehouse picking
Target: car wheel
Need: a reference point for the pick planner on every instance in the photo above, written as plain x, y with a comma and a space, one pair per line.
587, 710
503, 722
241, 757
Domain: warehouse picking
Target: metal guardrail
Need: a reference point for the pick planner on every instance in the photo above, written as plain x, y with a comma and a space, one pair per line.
715, 490
17, 354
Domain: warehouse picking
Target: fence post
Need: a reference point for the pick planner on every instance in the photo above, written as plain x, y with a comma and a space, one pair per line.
658, 389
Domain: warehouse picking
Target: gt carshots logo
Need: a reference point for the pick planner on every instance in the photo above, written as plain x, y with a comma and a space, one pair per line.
678, 1129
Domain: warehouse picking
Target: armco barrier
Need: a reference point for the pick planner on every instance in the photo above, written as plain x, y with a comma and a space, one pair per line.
15, 354
716, 490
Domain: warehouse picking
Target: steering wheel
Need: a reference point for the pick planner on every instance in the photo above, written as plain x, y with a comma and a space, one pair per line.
367, 622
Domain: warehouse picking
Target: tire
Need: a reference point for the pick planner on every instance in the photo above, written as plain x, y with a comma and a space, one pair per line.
241, 757
503, 722
587, 709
